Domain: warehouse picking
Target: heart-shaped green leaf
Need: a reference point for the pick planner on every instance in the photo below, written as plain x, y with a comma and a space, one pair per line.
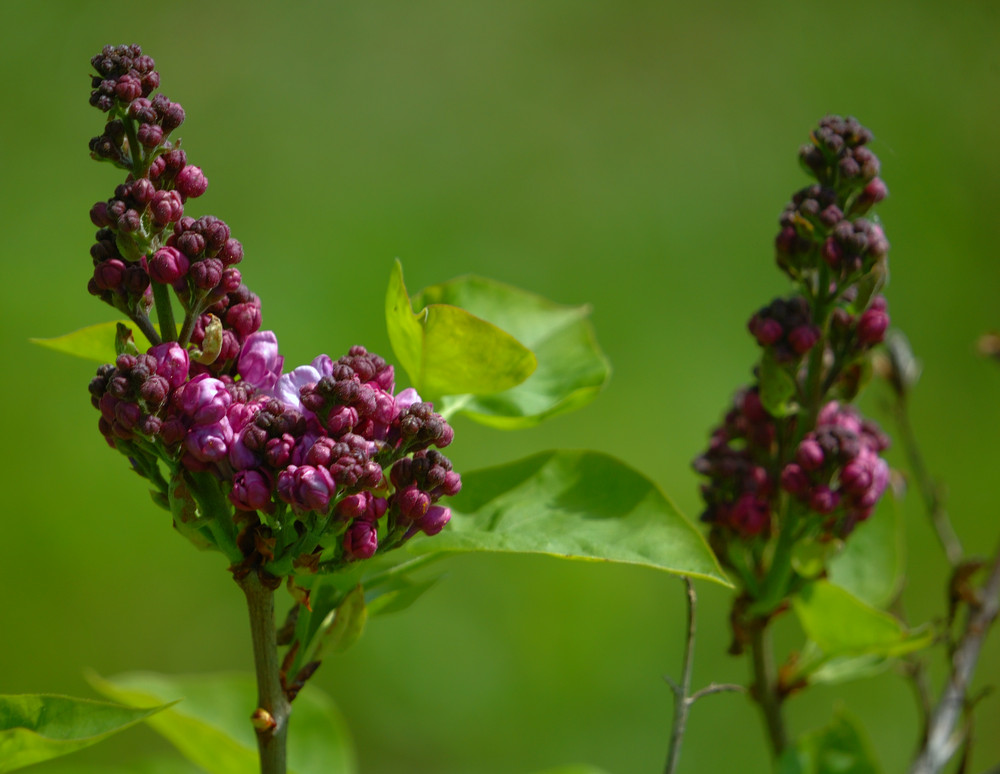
211, 726
872, 563
35, 728
571, 371
575, 505
446, 350
95, 342
840, 748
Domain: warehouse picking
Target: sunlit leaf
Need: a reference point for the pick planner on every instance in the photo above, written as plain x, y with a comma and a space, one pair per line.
95, 342
446, 350
840, 748
871, 565
575, 505
145, 766
574, 770
211, 726
35, 728
777, 386
571, 371
398, 595
842, 625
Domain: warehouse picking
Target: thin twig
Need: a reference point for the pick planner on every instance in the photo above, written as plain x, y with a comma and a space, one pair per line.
943, 739
764, 690
929, 489
683, 699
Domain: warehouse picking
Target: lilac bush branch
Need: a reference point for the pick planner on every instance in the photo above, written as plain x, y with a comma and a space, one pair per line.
683, 698
944, 737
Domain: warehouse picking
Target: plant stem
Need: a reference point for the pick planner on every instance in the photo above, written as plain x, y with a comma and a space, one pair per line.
683, 700
273, 708
943, 741
764, 688
164, 312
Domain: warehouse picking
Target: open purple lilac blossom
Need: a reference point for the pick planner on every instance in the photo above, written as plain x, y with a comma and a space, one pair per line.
320, 466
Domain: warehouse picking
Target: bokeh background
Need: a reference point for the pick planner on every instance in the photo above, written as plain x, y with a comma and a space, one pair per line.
630, 155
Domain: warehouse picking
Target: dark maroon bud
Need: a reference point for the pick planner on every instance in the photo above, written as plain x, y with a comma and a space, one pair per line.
142, 111
157, 167
412, 503
143, 191
149, 135
216, 232
128, 414
174, 160
872, 326
230, 348
360, 540
150, 425
794, 480
192, 244
832, 253
231, 252
172, 431
165, 207
150, 82
136, 279
401, 474
173, 117
99, 215
849, 168
190, 182
130, 222
831, 216
116, 208
155, 390
243, 318
766, 331
231, 280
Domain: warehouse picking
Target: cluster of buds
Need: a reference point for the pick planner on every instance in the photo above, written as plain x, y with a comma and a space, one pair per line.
319, 466
788, 456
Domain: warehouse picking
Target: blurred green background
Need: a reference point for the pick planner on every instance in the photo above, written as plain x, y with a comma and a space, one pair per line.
633, 155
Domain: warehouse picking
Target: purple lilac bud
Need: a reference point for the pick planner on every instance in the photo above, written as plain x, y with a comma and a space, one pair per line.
434, 520
204, 399
168, 265
873, 323
251, 491
361, 540
190, 182
259, 362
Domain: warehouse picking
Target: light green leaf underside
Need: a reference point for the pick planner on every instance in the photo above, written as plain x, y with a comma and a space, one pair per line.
842, 625
36, 728
576, 505
446, 350
95, 342
571, 371
211, 726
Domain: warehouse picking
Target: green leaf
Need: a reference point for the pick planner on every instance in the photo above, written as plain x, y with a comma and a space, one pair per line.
840, 748
145, 766
448, 351
842, 625
872, 563
95, 342
571, 371
35, 728
575, 505
211, 726
777, 387
398, 594
581, 769
341, 627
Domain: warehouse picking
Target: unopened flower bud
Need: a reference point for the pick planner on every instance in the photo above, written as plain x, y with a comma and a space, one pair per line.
190, 182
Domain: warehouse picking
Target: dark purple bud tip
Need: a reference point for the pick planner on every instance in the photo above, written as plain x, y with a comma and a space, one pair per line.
823, 500
803, 338
168, 265
794, 479
361, 540
810, 454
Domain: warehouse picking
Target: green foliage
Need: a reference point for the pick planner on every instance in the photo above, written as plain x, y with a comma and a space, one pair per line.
448, 351
571, 370
35, 728
873, 560
210, 726
777, 386
841, 624
95, 342
839, 748
575, 505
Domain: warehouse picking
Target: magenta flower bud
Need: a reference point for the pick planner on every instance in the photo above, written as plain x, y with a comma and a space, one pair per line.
136, 280
244, 318
855, 478
371, 474
108, 275
750, 515
173, 431
278, 451
452, 484
832, 253
210, 442
446, 437
434, 520
803, 338
794, 480
259, 362
127, 414
191, 243
150, 425
286, 484
251, 491
172, 363
873, 324
168, 265
157, 167
190, 182
173, 116
823, 500
413, 503
166, 207
204, 399
786, 240
314, 487
142, 111
341, 420
353, 505
361, 540
767, 331
149, 135
810, 454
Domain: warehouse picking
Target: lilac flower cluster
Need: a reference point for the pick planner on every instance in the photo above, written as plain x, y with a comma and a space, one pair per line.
328, 457
785, 445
